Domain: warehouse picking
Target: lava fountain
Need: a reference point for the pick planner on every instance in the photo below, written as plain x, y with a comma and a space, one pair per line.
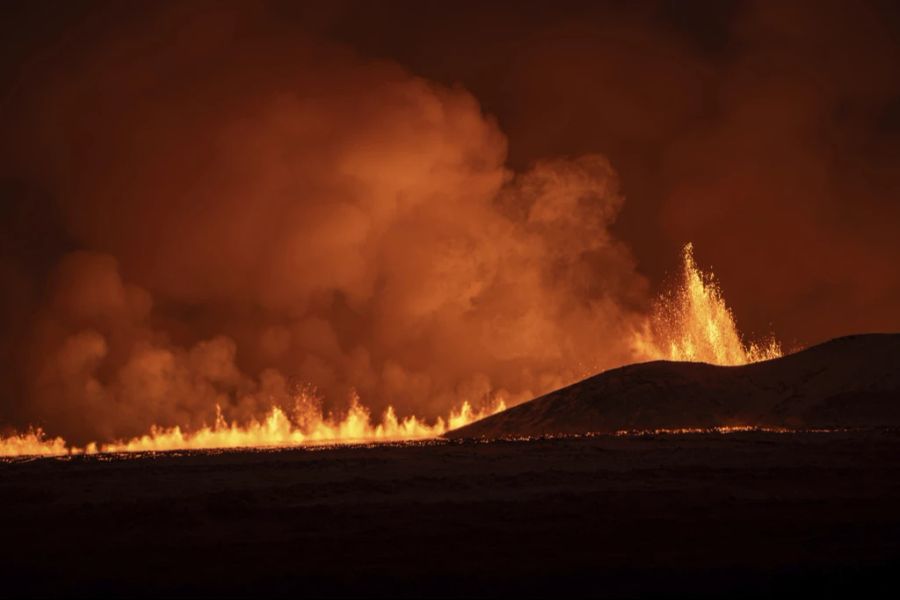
693, 323
690, 323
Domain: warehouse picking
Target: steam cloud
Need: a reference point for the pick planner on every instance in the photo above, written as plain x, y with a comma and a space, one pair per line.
252, 215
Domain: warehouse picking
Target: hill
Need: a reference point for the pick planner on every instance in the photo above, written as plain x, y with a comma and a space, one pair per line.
852, 381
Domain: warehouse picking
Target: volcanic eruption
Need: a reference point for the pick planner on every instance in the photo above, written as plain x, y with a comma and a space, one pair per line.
690, 322
253, 233
582, 298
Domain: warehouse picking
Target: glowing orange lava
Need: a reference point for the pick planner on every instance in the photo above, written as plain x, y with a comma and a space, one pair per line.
277, 428
693, 323
32, 443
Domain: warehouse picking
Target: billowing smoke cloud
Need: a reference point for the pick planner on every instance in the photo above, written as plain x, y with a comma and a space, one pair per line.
766, 132
250, 213
204, 205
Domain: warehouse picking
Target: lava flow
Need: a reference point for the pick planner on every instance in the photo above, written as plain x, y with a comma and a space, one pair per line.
692, 323
277, 428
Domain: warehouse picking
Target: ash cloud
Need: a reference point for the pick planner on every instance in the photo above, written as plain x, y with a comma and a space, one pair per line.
252, 211
765, 132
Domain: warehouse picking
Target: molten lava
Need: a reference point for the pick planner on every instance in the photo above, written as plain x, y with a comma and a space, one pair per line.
307, 425
692, 323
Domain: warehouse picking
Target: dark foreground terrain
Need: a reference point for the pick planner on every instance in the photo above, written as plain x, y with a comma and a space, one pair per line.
699, 514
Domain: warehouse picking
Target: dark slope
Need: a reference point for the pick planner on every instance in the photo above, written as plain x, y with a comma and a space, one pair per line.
852, 381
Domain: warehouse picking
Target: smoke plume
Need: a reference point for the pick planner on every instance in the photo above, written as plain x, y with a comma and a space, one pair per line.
251, 213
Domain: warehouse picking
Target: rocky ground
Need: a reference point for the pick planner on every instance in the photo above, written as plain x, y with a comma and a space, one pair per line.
666, 515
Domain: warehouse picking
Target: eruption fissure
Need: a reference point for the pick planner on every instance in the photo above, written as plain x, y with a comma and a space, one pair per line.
692, 322
277, 428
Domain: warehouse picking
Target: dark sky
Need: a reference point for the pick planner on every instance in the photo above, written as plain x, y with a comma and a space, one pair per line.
767, 133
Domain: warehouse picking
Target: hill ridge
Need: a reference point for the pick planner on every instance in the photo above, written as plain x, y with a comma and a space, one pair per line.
849, 381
